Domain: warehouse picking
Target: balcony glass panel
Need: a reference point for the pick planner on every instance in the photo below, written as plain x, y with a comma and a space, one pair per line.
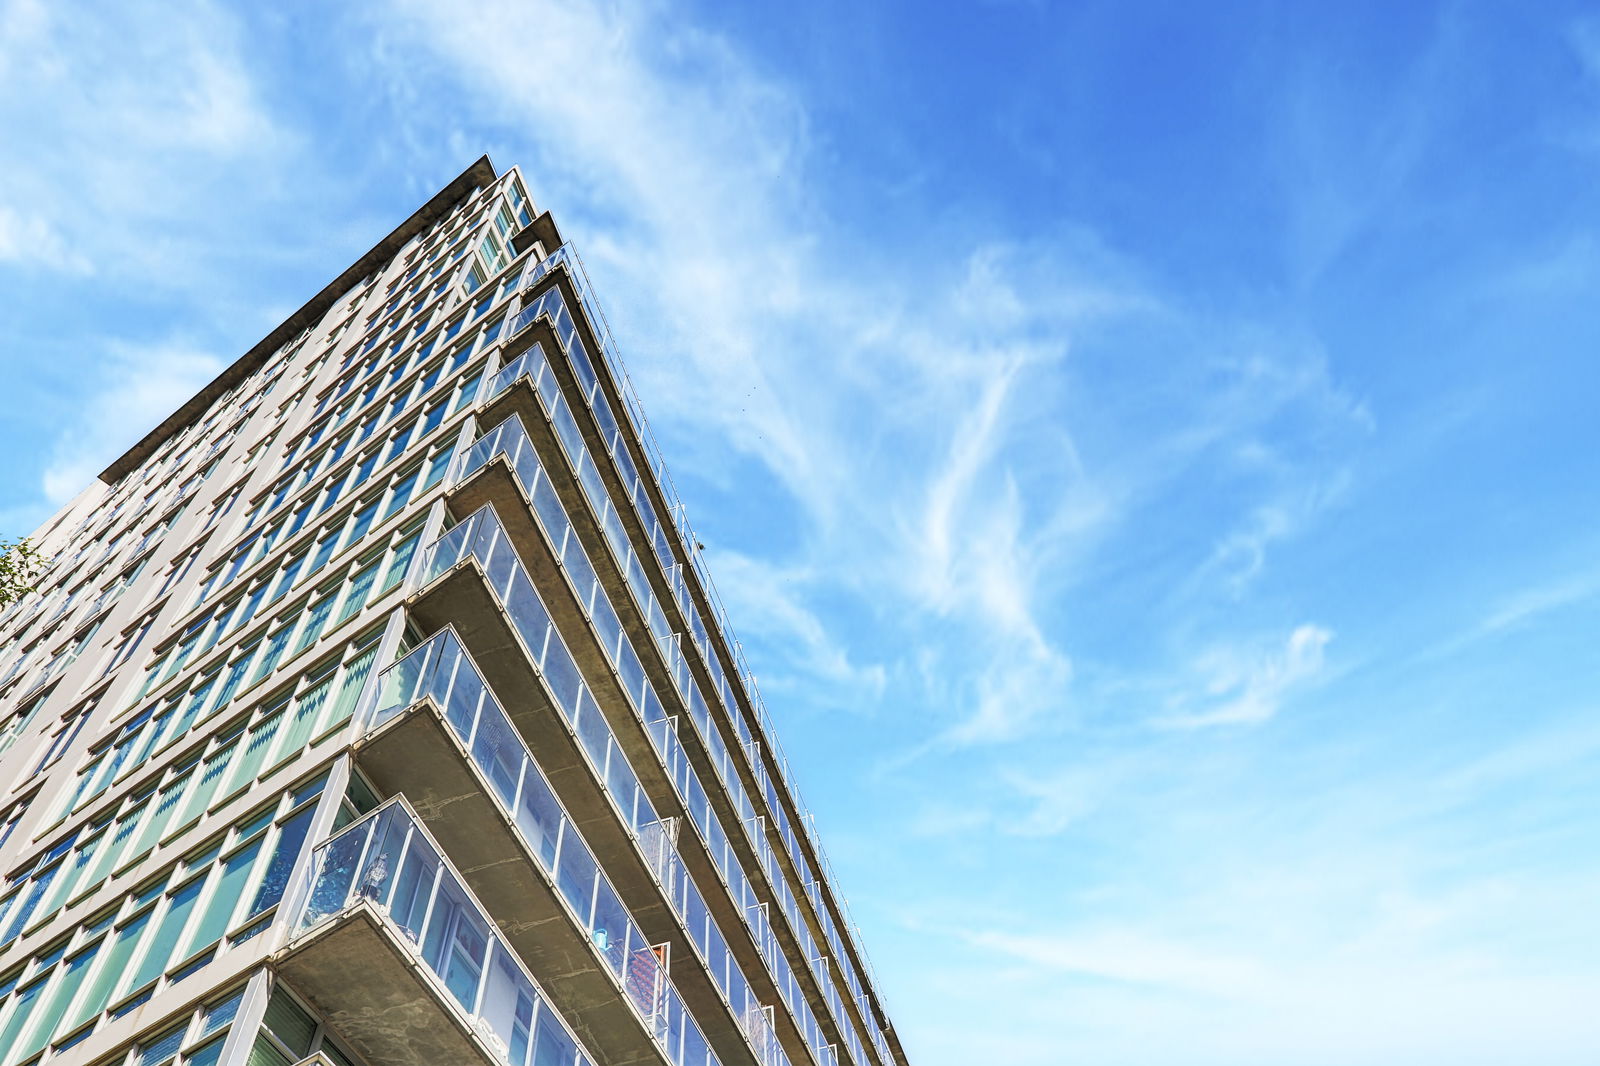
389, 860
656, 521
440, 666
437, 669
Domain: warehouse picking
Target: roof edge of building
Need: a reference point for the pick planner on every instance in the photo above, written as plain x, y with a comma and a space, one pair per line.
479, 174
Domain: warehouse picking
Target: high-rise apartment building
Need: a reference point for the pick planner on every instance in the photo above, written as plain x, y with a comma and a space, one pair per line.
377, 708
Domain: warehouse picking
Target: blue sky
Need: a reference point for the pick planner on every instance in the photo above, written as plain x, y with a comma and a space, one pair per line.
1148, 450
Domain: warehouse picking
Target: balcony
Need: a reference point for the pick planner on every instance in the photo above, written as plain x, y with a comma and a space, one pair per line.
473, 567
394, 949
503, 469
570, 502
474, 585
552, 317
439, 732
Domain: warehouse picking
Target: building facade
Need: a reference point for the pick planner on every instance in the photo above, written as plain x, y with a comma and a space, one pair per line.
377, 708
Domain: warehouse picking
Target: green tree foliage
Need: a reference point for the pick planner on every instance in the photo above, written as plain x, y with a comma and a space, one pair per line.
20, 566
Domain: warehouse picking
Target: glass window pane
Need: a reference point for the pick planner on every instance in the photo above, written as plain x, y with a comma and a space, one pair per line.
356, 595
220, 1013
275, 647
72, 870
399, 561
291, 837
315, 619
68, 979
23, 912
165, 805
158, 953
224, 899
162, 1048
263, 1053
576, 876
206, 1056
350, 687
290, 1023
206, 787
22, 1006
306, 711
112, 969
255, 752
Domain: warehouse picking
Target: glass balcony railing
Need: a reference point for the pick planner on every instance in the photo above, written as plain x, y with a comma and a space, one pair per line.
533, 363
388, 860
511, 440
481, 537
440, 669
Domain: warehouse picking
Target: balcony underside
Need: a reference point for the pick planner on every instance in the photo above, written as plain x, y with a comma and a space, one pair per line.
415, 762
497, 485
358, 972
521, 400
417, 754
462, 598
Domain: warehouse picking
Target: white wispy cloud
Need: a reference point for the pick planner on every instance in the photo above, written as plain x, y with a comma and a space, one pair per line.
1517, 611
770, 600
1249, 686
142, 198
143, 103
879, 403
1529, 604
914, 411
30, 239
139, 386
1172, 893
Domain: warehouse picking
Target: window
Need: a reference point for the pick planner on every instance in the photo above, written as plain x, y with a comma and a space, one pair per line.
195, 1038
272, 651
168, 925
322, 700
18, 722
107, 758
288, 1025
10, 819
355, 594
179, 568
130, 643
298, 626
64, 736
222, 506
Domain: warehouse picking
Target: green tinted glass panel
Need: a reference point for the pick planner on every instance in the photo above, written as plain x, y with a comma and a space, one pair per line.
159, 953
115, 965
350, 687
255, 752
263, 1053
166, 804
316, 618
356, 596
225, 900
68, 980
22, 1007
287, 1021
206, 787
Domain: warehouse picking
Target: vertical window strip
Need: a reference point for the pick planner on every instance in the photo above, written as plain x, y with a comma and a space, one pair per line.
298, 627
328, 699
178, 920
